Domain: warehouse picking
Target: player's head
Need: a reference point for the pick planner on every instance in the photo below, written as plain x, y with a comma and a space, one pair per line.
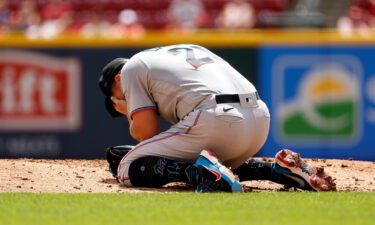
107, 81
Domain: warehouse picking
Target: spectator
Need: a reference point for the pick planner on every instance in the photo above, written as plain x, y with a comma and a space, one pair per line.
236, 14
354, 22
96, 26
307, 6
25, 16
57, 16
187, 15
368, 6
56, 9
4, 16
372, 13
128, 25
51, 28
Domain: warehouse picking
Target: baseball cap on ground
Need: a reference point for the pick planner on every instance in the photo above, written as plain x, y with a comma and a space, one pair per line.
106, 80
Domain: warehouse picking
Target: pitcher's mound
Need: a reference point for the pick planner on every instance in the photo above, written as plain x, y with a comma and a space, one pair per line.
85, 176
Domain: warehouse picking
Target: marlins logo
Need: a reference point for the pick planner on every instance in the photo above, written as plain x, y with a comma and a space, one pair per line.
325, 105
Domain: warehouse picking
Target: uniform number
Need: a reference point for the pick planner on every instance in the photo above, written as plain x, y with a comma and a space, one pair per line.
190, 56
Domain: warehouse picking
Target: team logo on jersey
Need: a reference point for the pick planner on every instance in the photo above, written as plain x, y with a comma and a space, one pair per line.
39, 92
317, 99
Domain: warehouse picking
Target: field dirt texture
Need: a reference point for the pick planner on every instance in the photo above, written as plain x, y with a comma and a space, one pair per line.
85, 176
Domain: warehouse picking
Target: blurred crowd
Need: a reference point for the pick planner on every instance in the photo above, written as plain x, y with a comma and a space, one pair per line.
360, 18
130, 18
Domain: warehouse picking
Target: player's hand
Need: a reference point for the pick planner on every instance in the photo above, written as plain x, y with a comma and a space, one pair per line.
120, 105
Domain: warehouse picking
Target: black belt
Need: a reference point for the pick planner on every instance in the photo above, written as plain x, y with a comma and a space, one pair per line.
234, 98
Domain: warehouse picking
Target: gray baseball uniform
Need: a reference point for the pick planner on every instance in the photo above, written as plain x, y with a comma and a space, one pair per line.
181, 82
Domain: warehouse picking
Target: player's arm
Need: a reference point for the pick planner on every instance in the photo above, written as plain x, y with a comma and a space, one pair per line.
143, 124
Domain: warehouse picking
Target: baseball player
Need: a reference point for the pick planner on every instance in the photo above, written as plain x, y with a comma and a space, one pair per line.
219, 123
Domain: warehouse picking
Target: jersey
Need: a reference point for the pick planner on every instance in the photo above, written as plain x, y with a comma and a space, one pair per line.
176, 79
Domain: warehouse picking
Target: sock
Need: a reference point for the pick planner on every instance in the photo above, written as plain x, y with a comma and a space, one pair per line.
254, 169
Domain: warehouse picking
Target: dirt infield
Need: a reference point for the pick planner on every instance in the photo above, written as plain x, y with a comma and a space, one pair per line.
83, 176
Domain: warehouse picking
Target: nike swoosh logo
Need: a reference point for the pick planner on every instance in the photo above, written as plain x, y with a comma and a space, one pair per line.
217, 174
227, 109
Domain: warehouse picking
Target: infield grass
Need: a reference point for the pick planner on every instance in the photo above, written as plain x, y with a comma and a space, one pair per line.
188, 208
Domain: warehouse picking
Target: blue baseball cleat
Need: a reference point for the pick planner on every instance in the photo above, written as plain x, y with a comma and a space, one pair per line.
213, 176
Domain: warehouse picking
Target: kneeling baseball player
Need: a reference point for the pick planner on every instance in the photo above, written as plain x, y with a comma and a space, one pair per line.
219, 123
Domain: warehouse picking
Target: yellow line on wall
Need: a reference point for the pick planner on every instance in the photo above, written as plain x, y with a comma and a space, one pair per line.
248, 38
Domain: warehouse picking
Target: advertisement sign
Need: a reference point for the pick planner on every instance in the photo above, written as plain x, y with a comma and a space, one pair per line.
39, 92
321, 100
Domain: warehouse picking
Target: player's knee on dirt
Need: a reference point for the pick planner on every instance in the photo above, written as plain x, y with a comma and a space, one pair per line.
148, 172
152, 171
114, 156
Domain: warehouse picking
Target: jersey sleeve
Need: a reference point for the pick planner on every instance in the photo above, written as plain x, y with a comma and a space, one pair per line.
135, 84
